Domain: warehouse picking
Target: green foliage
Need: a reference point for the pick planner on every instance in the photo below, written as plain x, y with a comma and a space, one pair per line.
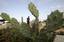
15, 23
22, 32
5, 16
25, 30
54, 20
33, 9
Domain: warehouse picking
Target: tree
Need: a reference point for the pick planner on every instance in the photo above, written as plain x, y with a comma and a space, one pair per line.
54, 20
33, 10
25, 30
15, 23
15, 31
35, 27
5, 16
13, 20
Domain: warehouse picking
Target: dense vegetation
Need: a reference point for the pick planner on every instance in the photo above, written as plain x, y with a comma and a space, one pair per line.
21, 32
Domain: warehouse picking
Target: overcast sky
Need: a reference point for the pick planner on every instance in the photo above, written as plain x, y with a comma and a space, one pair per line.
19, 8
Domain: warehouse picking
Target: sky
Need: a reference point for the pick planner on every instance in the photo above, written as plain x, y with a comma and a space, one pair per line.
19, 8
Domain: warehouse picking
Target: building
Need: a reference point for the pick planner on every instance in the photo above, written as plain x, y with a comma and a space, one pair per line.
59, 34
3, 23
